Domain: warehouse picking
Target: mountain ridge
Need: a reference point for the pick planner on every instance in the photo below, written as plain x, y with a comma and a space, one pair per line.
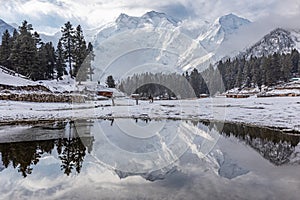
209, 37
221, 29
279, 40
171, 36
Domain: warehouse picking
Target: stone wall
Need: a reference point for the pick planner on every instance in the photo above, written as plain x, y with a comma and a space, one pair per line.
25, 88
37, 93
44, 97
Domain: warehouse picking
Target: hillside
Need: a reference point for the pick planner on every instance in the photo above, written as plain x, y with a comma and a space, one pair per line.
157, 42
277, 41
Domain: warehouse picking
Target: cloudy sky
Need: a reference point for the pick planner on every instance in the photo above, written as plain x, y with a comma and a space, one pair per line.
49, 15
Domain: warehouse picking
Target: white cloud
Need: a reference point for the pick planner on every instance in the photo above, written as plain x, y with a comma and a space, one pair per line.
93, 13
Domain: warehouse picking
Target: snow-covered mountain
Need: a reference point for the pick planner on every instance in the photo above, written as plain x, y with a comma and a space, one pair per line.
221, 30
157, 41
4, 26
279, 40
125, 22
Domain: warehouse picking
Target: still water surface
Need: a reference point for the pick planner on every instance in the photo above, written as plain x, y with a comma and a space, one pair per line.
143, 159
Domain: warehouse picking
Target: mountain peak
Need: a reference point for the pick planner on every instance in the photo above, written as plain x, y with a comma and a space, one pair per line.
278, 40
232, 21
123, 18
153, 13
221, 30
279, 31
152, 17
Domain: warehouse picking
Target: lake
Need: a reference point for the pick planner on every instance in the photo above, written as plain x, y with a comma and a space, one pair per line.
147, 159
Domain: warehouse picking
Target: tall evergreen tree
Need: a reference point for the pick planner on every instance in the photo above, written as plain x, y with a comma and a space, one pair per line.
295, 59
274, 70
80, 53
257, 73
67, 41
286, 67
15, 35
24, 51
38, 73
5, 49
47, 61
60, 62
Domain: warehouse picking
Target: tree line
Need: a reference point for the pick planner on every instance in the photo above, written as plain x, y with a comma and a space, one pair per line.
255, 72
160, 85
25, 53
236, 73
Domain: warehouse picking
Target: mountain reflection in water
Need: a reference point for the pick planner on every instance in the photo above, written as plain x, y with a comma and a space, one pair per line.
71, 147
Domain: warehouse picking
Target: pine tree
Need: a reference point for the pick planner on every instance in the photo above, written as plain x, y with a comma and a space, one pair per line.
247, 77
50, 60
79, 55
60, 62
5, 49
257, 73
67, 41
295, 59
37, 39
24, 51
38, 73
286, 67
239, 78
275, 69
15, 35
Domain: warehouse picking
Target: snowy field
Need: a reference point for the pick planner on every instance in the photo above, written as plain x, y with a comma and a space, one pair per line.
276, 112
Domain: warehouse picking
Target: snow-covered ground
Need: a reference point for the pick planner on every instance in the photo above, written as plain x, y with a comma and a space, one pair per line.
277, 112
7, 79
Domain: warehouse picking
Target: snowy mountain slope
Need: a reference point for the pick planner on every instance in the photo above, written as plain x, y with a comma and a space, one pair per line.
177, 45
220, 31
279, 40
4, 26
90, 34
136, 44
158, 42
125, 22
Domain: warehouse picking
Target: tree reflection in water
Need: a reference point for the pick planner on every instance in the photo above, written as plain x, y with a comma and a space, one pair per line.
273, 145
24, 155
72, 149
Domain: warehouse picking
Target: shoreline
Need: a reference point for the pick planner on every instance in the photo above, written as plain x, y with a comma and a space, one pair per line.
283, 130
280, 113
